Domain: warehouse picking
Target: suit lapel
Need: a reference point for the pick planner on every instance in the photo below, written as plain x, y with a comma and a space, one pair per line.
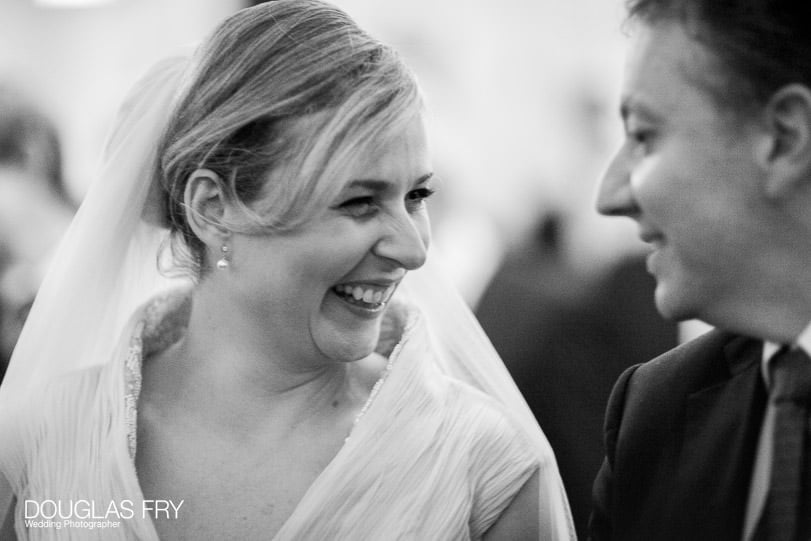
722, 426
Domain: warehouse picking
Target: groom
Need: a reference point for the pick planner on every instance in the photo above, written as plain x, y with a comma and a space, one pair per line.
711, 440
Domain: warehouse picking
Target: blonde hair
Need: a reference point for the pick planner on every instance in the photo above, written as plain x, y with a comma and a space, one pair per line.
262, 70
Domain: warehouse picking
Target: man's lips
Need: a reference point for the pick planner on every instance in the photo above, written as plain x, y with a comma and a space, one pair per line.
650, 236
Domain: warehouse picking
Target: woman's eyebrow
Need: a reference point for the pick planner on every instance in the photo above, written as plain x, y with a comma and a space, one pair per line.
380, 184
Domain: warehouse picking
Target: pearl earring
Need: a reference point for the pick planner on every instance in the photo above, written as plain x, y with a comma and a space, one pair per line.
223, 262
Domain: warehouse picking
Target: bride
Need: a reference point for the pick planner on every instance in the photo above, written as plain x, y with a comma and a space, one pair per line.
289, 381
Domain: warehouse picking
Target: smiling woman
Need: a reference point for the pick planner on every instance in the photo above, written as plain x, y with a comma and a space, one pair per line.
365, 239
298, 383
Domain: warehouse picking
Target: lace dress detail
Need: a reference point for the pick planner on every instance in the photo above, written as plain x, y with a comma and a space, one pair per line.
132, 377
162, 324
389, 336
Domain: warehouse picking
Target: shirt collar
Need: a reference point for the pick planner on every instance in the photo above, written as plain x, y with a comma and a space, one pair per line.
803, 341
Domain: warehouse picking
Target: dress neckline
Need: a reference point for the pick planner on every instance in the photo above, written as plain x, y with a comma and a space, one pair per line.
161, 324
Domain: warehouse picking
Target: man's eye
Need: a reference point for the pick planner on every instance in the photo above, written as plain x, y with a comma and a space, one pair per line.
358, 206
641, 140
640, 137
638, 133
415, 199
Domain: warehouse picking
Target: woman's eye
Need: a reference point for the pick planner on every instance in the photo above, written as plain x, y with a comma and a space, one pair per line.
359, 206
415, 199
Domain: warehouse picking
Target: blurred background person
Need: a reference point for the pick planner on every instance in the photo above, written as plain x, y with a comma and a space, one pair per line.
35, 208
566, 336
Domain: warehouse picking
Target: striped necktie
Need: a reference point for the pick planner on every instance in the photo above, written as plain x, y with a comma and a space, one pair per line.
787, 514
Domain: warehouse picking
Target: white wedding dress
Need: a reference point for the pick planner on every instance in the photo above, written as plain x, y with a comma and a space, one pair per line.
430, 457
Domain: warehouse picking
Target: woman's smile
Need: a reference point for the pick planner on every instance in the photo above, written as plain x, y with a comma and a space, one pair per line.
370, 297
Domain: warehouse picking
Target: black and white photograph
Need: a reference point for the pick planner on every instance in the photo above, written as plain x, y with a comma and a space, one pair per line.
362, 270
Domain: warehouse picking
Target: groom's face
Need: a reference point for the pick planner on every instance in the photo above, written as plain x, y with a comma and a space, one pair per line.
685, 173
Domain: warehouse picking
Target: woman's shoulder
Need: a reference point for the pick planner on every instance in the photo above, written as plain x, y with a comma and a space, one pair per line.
151, 325
49, 409
501, 457
488, 424
103, 384
471, 418
58, 398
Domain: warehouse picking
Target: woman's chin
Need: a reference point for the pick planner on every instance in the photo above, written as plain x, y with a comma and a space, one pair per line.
344, 332
348, 355
348, 346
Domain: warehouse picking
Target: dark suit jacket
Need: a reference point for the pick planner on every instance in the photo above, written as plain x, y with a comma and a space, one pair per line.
681, 435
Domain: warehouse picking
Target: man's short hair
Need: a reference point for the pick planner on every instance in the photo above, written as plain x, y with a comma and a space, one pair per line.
761, 45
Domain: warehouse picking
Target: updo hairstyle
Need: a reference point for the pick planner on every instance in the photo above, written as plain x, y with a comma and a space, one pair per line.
261, 71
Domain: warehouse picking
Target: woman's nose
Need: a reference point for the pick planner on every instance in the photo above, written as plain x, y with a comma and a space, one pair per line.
404, 240
614, 196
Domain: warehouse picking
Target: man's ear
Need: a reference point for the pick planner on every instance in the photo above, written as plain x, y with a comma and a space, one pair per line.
206, 208
785, 152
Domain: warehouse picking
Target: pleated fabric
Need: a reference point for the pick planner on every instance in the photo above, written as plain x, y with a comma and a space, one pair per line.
431, 457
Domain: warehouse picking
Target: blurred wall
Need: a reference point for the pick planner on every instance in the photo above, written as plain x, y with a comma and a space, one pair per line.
79, 62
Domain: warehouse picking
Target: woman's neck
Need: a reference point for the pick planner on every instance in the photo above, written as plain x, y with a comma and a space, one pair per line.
228, 372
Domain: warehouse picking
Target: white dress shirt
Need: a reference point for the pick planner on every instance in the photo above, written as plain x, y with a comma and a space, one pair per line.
763, 460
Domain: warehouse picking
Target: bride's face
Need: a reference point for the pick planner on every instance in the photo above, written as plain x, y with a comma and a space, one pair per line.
323, 289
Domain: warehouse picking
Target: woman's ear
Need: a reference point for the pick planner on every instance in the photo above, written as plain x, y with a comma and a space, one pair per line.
787, 154
205, 204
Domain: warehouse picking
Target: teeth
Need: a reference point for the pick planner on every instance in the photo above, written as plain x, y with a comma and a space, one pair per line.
366, 295
386, 295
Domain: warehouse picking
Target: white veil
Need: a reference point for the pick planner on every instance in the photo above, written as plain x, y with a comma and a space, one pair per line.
468, 355
106, 266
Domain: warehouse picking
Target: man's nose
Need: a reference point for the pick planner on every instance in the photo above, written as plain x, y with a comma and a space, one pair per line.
614, 195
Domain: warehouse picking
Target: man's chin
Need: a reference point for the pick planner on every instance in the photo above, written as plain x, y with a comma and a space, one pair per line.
672, 304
